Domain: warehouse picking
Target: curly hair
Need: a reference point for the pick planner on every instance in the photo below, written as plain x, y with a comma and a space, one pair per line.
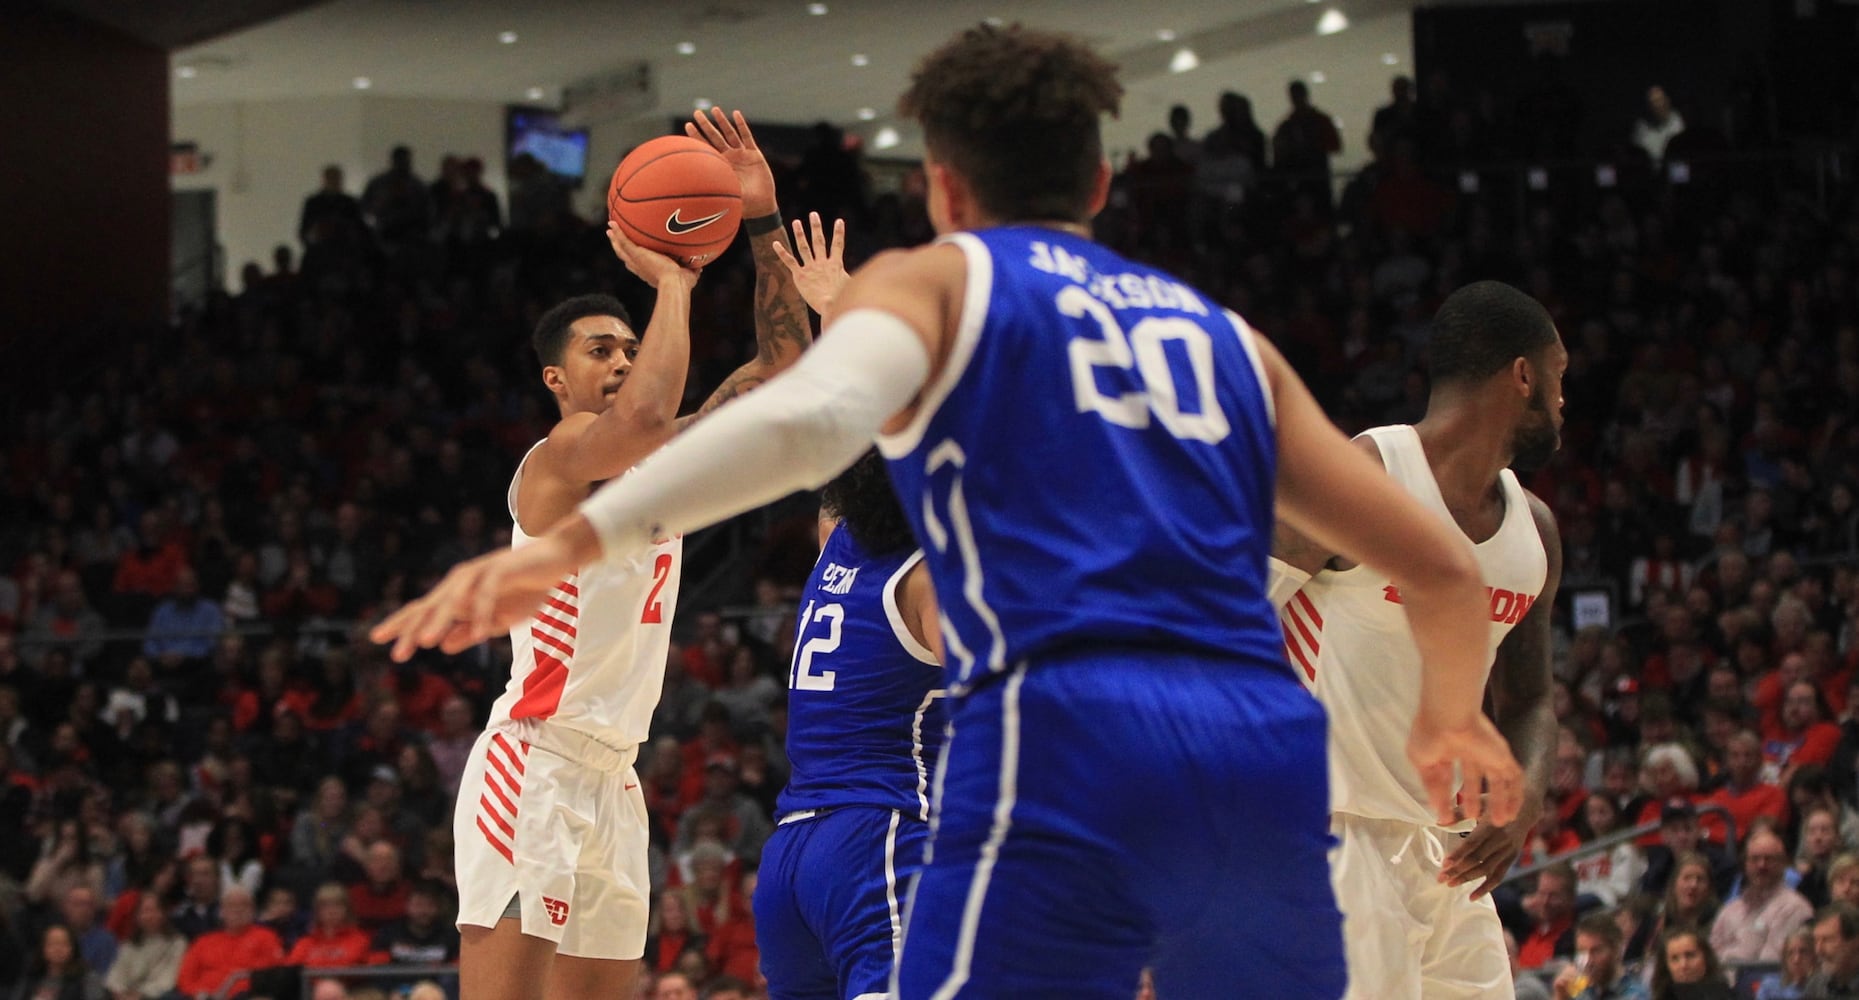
862, 498
1015, 112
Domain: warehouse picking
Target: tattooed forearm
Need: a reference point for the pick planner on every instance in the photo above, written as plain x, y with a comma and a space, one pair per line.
782, 329
740, 381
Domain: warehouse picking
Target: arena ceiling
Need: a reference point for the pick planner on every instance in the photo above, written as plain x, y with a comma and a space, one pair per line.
777, 57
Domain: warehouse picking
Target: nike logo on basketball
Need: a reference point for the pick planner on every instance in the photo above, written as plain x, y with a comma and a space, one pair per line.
678, 227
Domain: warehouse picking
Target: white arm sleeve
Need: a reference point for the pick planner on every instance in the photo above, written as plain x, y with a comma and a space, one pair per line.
1285, 581
798, 431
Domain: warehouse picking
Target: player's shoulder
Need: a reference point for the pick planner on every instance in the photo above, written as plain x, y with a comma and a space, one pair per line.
1544, 517
1365, 443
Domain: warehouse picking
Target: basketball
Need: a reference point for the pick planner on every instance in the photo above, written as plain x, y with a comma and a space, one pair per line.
677, 196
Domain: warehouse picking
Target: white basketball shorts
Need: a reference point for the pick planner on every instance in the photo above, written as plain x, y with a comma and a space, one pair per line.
1406, 935
555, 819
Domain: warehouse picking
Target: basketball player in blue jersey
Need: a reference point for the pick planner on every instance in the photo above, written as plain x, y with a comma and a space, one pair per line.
865, 723
1090, 452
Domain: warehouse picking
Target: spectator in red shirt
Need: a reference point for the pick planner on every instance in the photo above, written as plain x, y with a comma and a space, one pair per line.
1553, 907
1745, 794
334, 940
1803, 737
1550, 838
670, 932
220, 957
146, 573
732, 949
381, 897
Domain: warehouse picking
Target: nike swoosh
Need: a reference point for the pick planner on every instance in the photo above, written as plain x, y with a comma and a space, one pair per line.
631, 787
678, 227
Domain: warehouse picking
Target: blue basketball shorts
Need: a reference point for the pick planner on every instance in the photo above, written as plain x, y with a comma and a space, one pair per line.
1105, 812
829, 902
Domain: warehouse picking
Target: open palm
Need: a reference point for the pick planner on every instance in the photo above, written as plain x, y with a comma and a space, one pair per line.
730, 136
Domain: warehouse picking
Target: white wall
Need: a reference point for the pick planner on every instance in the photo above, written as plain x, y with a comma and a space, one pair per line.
268, 155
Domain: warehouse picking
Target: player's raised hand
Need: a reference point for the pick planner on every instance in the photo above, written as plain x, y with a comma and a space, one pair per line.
649, 266
730, 135
479, 598
1484, 761
820, 271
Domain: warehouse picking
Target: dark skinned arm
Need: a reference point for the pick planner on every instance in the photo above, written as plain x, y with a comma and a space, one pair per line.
1521, 705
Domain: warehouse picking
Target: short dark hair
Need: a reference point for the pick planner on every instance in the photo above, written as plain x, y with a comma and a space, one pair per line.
551, 336
1602, 925
1481, 328
1015, 111
1845, 913
862, 498
723, 983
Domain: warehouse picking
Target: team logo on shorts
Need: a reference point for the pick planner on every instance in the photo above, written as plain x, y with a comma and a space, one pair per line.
558, 910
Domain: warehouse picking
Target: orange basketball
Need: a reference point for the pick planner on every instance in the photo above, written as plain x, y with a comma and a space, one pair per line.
677, 196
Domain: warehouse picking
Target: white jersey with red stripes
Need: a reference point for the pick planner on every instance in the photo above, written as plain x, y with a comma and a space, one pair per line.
1347, 636
593, 657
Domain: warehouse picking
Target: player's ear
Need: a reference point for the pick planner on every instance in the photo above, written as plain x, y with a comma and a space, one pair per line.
1100, 189
555, 378
1523, 376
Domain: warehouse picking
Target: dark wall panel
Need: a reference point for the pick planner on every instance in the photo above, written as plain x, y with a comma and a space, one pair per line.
84, 164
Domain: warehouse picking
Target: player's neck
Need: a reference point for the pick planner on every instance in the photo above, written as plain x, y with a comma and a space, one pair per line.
1467, 445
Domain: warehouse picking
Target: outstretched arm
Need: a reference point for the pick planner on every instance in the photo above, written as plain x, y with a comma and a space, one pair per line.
800, 431
1522, 702
782, 330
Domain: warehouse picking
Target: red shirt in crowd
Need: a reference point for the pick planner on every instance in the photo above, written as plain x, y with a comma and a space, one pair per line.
733, 951
1760, 799
348, 946
1814, 745
1537, 949
217, 956
376, 907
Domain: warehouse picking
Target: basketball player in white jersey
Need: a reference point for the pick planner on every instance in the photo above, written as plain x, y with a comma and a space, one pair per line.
1412, 926
550, 827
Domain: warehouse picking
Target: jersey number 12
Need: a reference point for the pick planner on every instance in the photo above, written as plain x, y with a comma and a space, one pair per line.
802, 677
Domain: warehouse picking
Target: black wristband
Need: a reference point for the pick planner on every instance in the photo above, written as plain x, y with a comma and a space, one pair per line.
762, 225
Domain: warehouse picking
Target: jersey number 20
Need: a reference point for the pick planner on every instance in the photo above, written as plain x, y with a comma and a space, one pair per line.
1142, 350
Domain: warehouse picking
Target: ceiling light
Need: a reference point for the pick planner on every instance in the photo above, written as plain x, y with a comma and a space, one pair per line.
686, 48
992, 22
186, 72
1390, 59
702, 104
1165, 35
1184, 60
1317, 76
363, 83
861, 59
533, 93
507, 37
816, 9
867, 114
1332, 22
886, 138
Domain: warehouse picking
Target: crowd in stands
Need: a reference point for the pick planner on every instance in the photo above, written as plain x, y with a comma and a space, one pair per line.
247, 785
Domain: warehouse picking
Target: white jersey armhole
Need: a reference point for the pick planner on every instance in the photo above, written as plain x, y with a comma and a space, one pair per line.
967, 335
1246, 333
516, 483
895, 615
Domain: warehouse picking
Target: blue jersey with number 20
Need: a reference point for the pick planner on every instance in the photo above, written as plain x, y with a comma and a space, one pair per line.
1094, 466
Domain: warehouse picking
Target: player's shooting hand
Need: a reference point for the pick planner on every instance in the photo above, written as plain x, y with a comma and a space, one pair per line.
820, 271
1484, 761
1486, 854
479, 598
730, 135
649, 266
